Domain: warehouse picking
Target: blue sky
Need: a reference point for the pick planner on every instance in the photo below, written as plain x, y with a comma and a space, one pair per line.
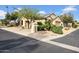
44, 9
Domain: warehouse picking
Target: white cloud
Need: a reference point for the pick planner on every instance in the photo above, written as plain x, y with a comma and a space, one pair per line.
17, 9
2, 14
42, 12
69, 9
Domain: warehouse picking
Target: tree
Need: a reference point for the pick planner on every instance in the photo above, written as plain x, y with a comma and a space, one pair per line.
14, 15
67, 18
29, 13
7, 16
24, 12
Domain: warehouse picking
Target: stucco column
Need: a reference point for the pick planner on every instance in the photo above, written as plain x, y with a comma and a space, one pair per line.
23, 23
34, 27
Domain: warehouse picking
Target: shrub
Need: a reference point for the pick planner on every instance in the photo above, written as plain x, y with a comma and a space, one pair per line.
74, 25
45, 26
57, 29
39, 23
48, 25
41, 26
4, 22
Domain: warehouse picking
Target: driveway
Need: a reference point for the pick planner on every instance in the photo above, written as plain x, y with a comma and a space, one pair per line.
15, 43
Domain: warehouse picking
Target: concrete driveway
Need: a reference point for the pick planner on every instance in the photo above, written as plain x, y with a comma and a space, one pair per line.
15, 43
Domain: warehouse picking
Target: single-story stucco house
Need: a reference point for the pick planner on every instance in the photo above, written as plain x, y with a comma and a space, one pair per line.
24, 22
27, 23
56, 20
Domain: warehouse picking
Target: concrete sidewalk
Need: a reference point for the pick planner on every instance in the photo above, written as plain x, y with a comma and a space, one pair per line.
18, 30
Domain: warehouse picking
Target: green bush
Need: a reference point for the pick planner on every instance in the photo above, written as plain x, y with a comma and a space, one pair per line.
41, 26
39, 23
56, 29
48, 25
45, 26
74, 25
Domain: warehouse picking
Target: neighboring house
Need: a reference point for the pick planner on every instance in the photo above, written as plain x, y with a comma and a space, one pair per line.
55, 19
27, 23
24, 22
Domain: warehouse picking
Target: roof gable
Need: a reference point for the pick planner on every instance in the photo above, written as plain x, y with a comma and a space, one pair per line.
51, 16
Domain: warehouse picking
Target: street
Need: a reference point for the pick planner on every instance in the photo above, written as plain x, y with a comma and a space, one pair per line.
70, 39
15, 43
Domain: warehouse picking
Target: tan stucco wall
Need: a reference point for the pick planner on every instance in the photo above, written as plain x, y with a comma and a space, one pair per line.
43, 20
57, 19
48, 18
24, 21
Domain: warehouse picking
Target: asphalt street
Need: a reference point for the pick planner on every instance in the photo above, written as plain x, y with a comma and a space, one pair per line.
70, 39
15, 43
